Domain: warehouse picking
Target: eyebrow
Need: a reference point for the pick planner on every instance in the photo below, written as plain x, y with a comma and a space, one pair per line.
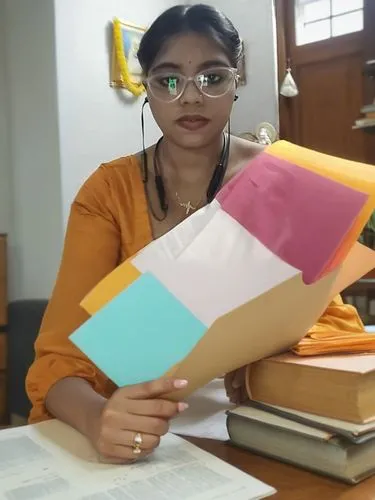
207, 64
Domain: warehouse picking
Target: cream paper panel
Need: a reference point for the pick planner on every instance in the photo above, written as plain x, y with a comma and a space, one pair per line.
222, 269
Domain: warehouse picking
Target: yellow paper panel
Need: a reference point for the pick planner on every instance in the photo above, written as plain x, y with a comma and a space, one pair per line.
269, 324
359, 176
114, 283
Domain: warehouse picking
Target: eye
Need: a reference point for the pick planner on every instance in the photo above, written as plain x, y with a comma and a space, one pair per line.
209, 78
168, 81
213, 78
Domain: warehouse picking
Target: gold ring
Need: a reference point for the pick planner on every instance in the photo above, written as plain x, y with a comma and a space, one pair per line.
138, 440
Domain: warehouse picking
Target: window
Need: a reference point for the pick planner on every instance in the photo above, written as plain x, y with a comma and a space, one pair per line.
322, 19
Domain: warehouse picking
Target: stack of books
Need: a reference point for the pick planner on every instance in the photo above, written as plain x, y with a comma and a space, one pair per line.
316, 412
368, 118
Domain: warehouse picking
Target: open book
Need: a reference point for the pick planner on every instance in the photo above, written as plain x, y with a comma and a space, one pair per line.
53, 461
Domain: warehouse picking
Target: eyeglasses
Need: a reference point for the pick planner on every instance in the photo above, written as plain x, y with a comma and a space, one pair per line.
170, 86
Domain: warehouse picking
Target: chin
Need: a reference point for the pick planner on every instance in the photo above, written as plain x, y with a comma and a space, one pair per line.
195, 140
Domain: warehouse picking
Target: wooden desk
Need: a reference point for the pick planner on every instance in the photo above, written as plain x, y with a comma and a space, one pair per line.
291, 483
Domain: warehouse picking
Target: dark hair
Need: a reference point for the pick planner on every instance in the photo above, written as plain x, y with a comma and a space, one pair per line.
201, 19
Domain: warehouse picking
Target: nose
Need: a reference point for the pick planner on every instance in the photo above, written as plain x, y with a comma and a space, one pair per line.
191, 94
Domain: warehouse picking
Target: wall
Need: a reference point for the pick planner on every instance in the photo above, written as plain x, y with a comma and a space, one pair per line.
60, 119
36, 233
255, 20
97, 123
5, 198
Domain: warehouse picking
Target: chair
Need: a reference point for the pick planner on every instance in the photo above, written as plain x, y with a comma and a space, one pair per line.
24, 320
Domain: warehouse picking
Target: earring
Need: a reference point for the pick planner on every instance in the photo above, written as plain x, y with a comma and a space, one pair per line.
236, 98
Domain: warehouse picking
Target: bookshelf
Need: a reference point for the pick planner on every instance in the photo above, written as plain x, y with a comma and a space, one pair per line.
361, 294
367, 121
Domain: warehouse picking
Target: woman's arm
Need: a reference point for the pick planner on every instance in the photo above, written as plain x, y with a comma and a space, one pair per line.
91, 251
74, 401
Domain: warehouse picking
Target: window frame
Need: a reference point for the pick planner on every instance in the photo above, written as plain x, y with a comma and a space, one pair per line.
329, 18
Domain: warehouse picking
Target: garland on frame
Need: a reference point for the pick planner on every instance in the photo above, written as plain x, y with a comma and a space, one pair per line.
136, 88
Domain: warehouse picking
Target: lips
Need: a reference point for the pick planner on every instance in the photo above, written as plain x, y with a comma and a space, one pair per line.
192, 122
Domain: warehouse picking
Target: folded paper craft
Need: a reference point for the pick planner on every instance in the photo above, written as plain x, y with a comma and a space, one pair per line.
243, 278
359, 176
315, 214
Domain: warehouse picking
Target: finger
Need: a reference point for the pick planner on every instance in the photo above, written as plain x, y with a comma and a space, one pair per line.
128, 438
239, 396
243, 394
228, 379
139, 423
239, 378
235, 396
117, 454
115, 461
161, 408
153, 389
120, 446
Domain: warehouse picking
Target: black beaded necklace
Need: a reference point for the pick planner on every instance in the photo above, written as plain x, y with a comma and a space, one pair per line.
215, 183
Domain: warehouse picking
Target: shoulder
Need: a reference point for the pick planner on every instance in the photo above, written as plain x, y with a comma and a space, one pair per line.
247, 150
110, 180
121, 170
242, 151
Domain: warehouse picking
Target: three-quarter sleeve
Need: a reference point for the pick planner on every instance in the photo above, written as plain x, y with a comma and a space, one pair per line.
92, 249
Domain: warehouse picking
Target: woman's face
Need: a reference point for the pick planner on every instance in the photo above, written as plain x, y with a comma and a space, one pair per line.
194, 120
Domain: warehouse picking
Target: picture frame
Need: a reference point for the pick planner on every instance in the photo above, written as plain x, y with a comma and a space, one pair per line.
131, 38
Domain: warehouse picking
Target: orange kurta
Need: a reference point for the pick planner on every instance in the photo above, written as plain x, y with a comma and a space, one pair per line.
108, 223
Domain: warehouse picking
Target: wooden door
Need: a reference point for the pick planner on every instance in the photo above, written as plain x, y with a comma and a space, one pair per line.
328, 73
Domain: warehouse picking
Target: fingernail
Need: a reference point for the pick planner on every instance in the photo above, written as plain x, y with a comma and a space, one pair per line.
179, 384
182, 407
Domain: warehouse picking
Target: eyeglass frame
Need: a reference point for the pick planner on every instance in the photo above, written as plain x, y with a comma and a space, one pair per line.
189, 79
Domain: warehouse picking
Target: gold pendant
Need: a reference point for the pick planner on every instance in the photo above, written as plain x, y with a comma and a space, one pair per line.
188, 207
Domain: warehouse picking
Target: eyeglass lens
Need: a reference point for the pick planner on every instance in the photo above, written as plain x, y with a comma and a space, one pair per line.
213, 83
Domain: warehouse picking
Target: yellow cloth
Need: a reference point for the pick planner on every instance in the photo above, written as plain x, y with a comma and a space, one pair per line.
340, 329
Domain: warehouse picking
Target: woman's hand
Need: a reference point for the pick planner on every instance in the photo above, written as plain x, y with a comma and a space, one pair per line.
235, 385
133, 420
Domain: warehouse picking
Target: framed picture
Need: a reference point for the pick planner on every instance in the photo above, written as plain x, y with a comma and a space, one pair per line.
131, 35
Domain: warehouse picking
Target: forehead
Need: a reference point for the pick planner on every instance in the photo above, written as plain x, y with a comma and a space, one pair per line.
191, 52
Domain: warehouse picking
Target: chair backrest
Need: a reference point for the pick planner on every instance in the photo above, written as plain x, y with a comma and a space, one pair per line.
24, 320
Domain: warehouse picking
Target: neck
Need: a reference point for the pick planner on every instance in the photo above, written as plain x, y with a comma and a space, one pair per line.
190, 166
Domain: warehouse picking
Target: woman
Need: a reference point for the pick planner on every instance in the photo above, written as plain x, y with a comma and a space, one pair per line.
189, 57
